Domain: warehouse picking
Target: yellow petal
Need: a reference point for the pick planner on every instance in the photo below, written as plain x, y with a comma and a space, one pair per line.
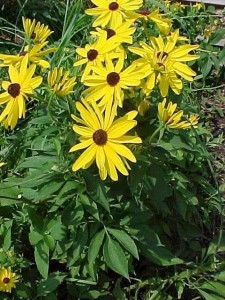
85, 157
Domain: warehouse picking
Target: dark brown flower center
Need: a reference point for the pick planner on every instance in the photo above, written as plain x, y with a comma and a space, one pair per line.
113, 78
161, 66
113, 6
6, 280
162, 55
33, 35
100, 137
144, 12
92, 54
14, 89
110, 33
23, 53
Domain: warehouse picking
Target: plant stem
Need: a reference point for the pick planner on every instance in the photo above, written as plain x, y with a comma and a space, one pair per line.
154, 134
209, 88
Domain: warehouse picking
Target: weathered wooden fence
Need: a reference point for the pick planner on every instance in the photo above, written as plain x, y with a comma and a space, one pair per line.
214, 2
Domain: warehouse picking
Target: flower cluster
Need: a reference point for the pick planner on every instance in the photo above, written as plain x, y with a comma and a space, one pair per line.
22, 67
113, 68
110, 78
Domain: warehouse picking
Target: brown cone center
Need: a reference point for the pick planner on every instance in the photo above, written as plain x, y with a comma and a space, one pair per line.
100, 137
14, 89
92, 54
110, 33
6, 280
33, 35
162, 55
23, 53
113, 6
144, 12
113, 78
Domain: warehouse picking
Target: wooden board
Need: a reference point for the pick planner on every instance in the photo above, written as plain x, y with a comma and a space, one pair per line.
214, 2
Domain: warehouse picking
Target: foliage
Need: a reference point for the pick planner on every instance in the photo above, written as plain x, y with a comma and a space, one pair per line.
155, 234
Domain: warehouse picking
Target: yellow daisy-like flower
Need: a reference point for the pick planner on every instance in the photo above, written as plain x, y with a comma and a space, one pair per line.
35, 55
172, 119
166, 61
60, 82
107, 83
22, 85
103, 137
167, 3
122, 32
179, 6
36, 31
198, 6
94, 54
112, 12
163, 23
2, 164
7, 280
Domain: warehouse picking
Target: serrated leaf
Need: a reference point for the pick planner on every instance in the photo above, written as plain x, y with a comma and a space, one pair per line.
125, 240
95, 245
115, 258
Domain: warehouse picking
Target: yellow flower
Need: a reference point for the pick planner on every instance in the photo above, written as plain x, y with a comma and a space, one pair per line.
60, 82
107, 83
164, 24
94, 54
166, 61
34, 55
2, 164
22, 86
179, 6
103, 137
174, 120
7, 280
167, 3
198, 6
36, 31
112, 12
122, 32
143, 107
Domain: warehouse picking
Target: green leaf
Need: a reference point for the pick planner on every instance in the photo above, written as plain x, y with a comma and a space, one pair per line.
36, 219
97, 191
216, 36
49, 240
9, 194
125, 240
90, 206
35, 237
118, 292
7, 235
215, 287
209, 296
115, 258
49, 190
73, 213
95, 245
41, 255
50, 284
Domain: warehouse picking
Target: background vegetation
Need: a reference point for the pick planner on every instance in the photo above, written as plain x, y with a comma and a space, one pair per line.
157, 234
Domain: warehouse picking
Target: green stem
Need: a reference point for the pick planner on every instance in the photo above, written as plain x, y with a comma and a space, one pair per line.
154, 134
145, 28
209, 88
